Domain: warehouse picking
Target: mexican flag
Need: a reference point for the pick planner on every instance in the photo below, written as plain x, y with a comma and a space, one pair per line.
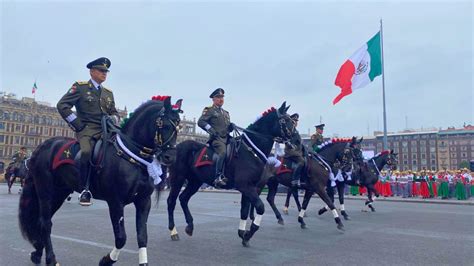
33, 90
360, 69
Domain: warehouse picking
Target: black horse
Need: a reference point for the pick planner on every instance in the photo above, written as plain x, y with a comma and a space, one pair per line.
316, 175
128, 157
243, 168
364, 174
13, 172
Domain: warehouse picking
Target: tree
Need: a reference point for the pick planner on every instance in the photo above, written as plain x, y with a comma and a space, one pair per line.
464, 164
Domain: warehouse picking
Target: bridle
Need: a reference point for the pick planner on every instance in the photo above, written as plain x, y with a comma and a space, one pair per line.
160, 145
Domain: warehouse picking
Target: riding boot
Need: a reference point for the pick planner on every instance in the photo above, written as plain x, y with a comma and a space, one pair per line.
85, 197
295, 178
220, 180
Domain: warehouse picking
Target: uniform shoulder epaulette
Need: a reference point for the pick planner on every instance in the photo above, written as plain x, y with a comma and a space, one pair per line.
82, 82
107, 89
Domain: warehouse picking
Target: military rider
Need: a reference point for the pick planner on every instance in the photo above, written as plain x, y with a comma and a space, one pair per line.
294, 153
317, 138
216, 121
17, 158
92, 101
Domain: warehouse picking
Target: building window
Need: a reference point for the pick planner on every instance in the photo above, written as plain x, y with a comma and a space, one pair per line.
405, 162
2, 125
433, 168
423, 156
405, 156
432, 149
415, 168
2, 138
423, 149
453, 155
422, 142
433, 162
414, 162
405, 144
452, 148
423, 162
414, 149
413, 156
463, 155
433, 155
432, 142
413, 143
454, 163
463, 148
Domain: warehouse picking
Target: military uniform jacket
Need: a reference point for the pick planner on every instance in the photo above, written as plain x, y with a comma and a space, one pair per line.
316, 139
18, 157
91, 104
217, 118
295, 150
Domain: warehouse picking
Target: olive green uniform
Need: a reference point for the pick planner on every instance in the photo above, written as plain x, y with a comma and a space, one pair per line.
17, 158
91, 105
316, 140
294, 152
216, 121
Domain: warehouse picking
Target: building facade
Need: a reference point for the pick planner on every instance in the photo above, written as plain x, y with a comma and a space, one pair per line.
188, 131
29, 123
428, 149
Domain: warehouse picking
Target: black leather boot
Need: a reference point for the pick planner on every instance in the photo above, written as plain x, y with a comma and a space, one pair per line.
220, 180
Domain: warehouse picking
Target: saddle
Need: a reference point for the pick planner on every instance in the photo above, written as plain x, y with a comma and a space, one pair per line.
70, 152
206, 154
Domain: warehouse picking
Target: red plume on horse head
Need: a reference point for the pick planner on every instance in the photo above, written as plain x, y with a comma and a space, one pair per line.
162, 98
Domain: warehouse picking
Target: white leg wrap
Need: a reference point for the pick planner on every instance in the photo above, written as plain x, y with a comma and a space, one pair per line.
302, 213
114, 254
142, 256
334, 213
326, 207
342, 207
243, 224
174, 231
258, 219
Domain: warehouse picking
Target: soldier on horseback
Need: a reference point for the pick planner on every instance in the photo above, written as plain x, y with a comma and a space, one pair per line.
294, 153
216, 121
317, 138
92, 101
18, 158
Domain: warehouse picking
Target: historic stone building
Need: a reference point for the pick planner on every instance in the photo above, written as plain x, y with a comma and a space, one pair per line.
28, 123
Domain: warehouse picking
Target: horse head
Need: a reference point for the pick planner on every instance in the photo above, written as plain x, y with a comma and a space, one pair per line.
155, 124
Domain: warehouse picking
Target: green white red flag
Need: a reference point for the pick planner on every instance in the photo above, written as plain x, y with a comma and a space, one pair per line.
360, 69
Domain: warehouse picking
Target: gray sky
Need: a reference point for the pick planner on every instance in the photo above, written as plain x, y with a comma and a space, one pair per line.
261, 53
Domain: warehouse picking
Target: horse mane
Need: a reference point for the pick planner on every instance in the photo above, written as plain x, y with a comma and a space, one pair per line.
154, 100
265, 113
332, 141
381, 153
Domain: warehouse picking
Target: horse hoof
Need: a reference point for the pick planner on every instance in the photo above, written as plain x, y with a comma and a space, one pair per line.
281, 221
241, 234
285, 211
68, 198
245, 243
143, 264
321, 211
341, 227
36, 259
346, 217
52, 262
372, 208
106, 261
189, 230
175, 237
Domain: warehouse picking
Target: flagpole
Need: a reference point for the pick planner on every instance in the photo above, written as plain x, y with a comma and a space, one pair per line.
385, 144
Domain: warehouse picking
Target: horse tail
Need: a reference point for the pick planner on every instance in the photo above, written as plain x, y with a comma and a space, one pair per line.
28, 212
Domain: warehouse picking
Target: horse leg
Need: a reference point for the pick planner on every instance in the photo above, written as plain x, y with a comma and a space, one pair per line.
330, 204
252, 208
244, 214
330, 193
56, 203
191, 188
287, 201
142, 207
175, 189
254, 199
297, 200
370, 189
116, 217
307, 196
340, 194
272, 190
45, 214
